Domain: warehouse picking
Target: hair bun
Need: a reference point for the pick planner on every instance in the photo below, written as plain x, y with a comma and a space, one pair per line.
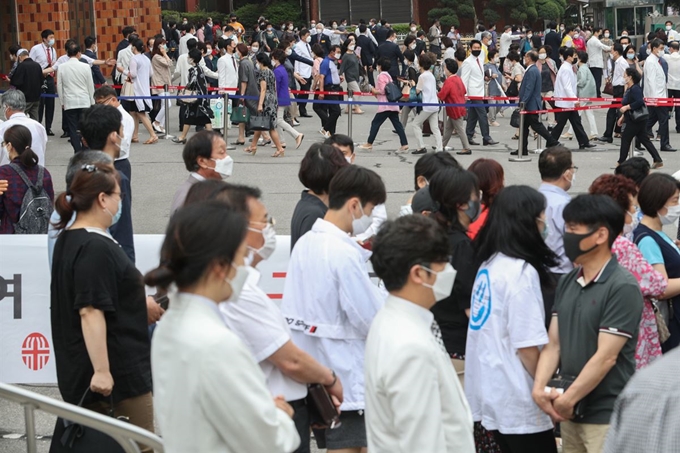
161, 277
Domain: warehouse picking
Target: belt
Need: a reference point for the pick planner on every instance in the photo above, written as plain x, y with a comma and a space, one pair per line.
298, 403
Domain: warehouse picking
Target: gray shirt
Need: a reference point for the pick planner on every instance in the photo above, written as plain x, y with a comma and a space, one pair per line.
349, 67
556, 199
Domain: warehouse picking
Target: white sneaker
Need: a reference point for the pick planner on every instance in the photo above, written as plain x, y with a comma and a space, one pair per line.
638, 153
448, 148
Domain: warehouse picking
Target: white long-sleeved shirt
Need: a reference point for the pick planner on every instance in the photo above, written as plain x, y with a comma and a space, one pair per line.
128, 132
565, 85
64, 58
124, 57
673, 60
302, 49
655, 78
182, 70
379, 216
183, 49
368, 33
209, 393
506, 41
75, 85
330, 302
472, 74
620, 66
594, 47
227, 71
38, 135
414, 400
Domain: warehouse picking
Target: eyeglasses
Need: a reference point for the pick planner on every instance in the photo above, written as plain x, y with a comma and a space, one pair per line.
574, 167
270, 221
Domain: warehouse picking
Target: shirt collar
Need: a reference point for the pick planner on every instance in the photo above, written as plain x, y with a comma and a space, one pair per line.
324, 226
547, 187
17, 115
601, 276
411, 309
197, 176
202, 300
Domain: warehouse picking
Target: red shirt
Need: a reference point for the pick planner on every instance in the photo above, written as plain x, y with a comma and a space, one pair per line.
453, 92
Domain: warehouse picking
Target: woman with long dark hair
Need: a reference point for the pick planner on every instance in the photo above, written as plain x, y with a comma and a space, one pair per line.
491, 181
203, 403
160, 62
507, 322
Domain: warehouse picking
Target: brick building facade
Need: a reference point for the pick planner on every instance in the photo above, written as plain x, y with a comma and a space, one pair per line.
22, 21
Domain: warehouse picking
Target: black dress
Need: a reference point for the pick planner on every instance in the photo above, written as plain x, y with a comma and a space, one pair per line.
198, 113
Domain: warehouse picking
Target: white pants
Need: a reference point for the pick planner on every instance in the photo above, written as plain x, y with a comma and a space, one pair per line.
160, 118
283, 126
591, 120
433, 119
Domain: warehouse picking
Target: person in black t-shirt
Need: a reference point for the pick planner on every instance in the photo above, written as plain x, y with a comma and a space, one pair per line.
98, 304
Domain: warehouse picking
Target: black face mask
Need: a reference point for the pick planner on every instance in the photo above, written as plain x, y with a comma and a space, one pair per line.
572, 247
476, 53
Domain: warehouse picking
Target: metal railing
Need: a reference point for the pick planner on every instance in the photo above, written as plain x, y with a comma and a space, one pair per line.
125, 434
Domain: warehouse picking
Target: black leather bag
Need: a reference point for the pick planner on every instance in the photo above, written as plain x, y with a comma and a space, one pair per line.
639, 115
515, 118
69, 437
260, 123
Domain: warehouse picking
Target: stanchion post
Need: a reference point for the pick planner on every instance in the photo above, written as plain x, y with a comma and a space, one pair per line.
166, 103
225, 121
350, 108
631, 151
539, 146
520, 157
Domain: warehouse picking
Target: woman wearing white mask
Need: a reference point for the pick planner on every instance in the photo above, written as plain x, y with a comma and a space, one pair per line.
98, 309
199, 112
211, 394
658, 199
350, 68
652, 282
507, 322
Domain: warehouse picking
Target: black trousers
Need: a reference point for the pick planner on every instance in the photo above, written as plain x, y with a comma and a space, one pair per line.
575, 119
302, 423
72, 118
156, 104
613, 115
639, 132
543, 442
305, 87
533, 121
47, 104
676, 94
660, 115
597, 75
329, 113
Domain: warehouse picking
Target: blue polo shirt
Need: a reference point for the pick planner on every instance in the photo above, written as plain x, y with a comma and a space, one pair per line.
329, 70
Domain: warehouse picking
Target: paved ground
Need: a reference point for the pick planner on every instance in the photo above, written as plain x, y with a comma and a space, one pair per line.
158, 170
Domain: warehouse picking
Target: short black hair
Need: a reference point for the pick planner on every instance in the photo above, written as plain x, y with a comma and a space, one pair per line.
475, 41
234, 195
635, 169
568, 52
618, 48
595, 211
97, 122
384, 64
431, 163
655, 191
127, 30
320, 164
72, 49
390, 33
533, 55
405, 242
633, 74
452, 187
674, 45
452, 66
582, 56
341, 140
192, 43
89, 41
46, 33
196, 56
656, 43
553, 162
104, 92
200, 145
424, 61
460, 54
355, 181
264, 59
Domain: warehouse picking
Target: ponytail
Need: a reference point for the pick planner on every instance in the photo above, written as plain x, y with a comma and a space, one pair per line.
21, 139
64, 207
28, 157
161, 277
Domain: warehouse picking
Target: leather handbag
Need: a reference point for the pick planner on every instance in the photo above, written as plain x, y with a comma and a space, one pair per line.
128, 89
69, 437
639, 115
322, 411
187, 92
260, 123
414, 96
608, 88
515, 118
240, 114
393, 92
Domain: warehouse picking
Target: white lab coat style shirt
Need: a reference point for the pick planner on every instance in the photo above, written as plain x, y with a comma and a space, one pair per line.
330, 302
673, 60
594, 47
655, 78
64, 58
182, 70
565, 85
506, 41
183, 48
414, 400
472, 74
620, 66
227, 70
258, 322
38, 135
209, 393
303, 49
128, 131
506, 314
75, 85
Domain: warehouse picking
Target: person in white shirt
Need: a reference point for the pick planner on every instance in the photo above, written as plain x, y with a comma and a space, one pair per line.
303, 49
76, 92
673, 61
13, 104
183, 41
655, 86
472, 74
182, 73
124, 57
227, 64
45, 55
671, 33
414, 400
596, 49
620, 66
210, 393
107, 95
566, 87
427, 88
506, 39
507, 323
329, 300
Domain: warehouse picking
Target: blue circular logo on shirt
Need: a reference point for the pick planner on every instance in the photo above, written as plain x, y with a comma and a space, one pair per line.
481, 300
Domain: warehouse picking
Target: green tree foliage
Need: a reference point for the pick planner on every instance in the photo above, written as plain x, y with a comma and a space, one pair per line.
551, 9
451, 11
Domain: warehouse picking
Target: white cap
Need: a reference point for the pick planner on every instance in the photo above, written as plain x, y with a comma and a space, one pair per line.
21, 52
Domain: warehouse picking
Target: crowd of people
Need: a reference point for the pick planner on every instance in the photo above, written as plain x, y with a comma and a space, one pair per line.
503, 317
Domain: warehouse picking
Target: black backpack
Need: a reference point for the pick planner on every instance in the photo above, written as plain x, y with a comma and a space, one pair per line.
36, 207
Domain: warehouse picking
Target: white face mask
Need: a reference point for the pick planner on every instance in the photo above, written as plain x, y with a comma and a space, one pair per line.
290, 27
443, 284
308, 39
348, 159
413, 28
337, 56
351, 47
542, 56
269, 235
289, 51
668, 28
254, 50
224, 167
606, 35
361, 224
671, 216
412, 47
237, 282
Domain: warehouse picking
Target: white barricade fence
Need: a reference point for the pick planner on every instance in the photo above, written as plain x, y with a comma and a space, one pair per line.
26, 349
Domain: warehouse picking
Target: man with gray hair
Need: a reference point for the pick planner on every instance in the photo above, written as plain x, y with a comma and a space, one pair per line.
28, 78
13, 104
486, 42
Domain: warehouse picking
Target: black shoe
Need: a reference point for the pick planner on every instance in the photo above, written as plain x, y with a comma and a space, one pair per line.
465, 152
305, 115
515, 153
473, 143
420, 151
668, 148
64, 135
587, 146
490, 143
677, 130
605, 139
50, 133
393, 131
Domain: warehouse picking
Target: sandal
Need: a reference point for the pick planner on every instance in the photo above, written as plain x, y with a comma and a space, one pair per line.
280, 153
237, 143
298, 140
403, 149
151, 140
515, 137
135, 140
367, 147
251, 151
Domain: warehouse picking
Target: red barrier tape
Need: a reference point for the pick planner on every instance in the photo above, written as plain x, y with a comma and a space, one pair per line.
587, 107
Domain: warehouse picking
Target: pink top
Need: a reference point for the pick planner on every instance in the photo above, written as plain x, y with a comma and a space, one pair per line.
383, 79
652, 284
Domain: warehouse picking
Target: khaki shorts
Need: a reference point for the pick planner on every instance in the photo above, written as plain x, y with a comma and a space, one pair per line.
459, 366
583, 437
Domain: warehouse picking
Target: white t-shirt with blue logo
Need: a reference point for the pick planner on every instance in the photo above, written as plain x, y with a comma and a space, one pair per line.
506, 314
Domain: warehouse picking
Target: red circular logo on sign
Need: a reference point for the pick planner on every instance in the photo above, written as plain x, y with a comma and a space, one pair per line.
35, 351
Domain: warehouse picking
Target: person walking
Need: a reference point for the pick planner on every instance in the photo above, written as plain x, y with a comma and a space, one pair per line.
655, 87
472, 75
596, 50
633, 101
385, 110
453, 92
199, 112
45, 55
673, 62
304, 50
318, 108
283, 97
76, 91
329, 80
620, 66
427, 87
350, 69
28, 78
140, 73
160, 76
